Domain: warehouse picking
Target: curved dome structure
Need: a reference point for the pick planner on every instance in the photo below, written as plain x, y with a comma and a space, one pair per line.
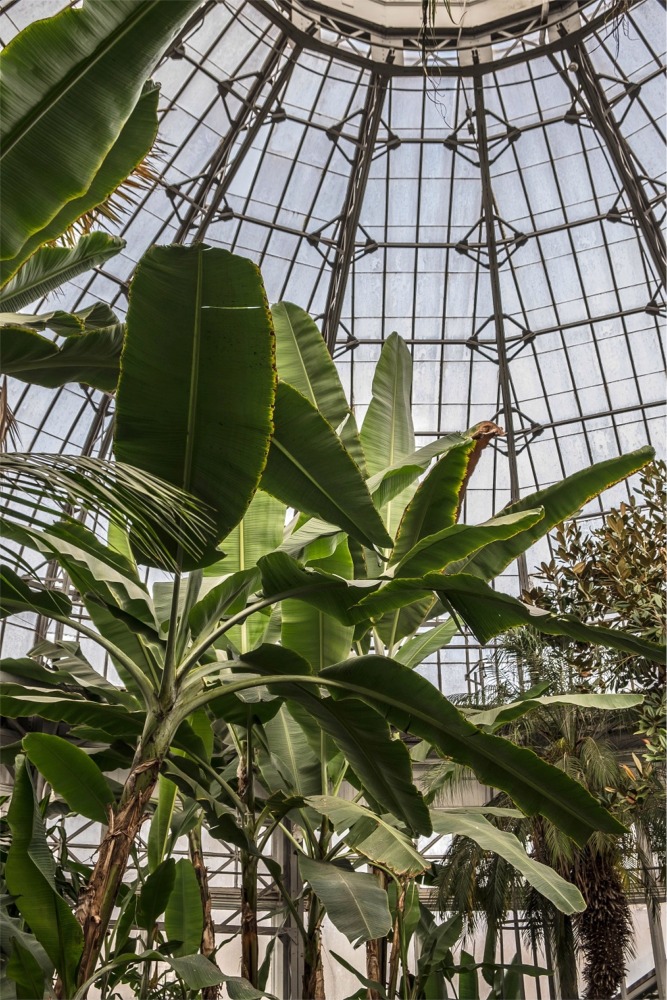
492, 189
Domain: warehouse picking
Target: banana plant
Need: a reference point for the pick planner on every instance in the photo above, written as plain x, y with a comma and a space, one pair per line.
88, 137
199, 346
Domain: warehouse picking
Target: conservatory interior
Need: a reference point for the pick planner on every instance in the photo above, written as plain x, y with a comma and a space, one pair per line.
332, 472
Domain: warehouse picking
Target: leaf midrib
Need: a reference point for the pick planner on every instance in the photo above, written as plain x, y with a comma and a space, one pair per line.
23, 127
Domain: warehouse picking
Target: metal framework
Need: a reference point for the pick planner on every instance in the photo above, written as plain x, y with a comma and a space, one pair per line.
498, 202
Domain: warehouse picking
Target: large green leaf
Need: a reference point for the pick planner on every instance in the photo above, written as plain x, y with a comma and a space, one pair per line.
92, 358
19, 701
16, 597
291, 762
311, 632
86, 70
309, 469
489, 613
260, 531
199, 346
25, 972
155, 893
387, 433
51, 267
560, 501
183, 916
72, 773
565, 896
435, 504
70, 668
414, 705
355, 903
305, 363
158, 833
376, 837
325, 591
381, 763
495, 717
416, 650
30, 874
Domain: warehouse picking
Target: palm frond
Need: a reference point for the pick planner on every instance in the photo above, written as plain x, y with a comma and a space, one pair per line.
65, 485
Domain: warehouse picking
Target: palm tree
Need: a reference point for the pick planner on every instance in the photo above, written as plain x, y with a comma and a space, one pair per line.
589, 746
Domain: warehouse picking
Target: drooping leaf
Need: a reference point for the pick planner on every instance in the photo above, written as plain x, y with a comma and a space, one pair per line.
72, 773
182, 404
355, 903
183, 917
414, 705
19, 701
376, 837
16, 597
564, 895
559, 502
51, 267
381, 763
488, 613
30, 876
70, 117
328, 592
309, 469
495, 717
92, 358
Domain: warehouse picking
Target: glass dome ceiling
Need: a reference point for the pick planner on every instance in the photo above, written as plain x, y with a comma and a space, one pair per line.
496, 198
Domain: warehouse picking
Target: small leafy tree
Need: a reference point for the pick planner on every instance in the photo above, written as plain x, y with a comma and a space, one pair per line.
614, 574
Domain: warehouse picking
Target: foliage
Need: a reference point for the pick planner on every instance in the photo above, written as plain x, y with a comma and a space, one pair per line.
615, 574
220, 678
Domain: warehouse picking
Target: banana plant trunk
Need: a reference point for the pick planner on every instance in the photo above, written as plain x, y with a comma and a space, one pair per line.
99, 897
207, 947
376, 949
249, 932
313, 970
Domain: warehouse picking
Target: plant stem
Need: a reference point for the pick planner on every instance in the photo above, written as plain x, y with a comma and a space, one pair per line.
99, 897
208, 932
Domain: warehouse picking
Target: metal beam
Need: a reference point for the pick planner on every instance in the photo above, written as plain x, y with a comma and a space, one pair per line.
371, 117
602, 117
219, 173
496, 296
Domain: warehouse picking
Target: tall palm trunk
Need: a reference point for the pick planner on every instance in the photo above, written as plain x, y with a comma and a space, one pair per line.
249, 932
605, 926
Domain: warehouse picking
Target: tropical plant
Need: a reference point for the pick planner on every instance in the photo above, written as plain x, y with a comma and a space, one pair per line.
174, 652
369, 559
614, 573
569, 730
